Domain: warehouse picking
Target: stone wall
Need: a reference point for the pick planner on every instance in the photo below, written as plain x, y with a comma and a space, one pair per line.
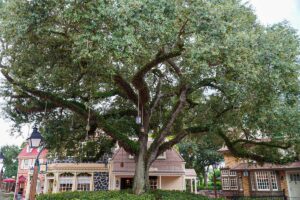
100, 181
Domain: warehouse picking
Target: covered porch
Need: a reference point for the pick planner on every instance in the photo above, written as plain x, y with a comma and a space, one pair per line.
157, 181
191, 181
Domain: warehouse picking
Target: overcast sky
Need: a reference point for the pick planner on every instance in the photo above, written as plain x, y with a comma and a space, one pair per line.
268, 12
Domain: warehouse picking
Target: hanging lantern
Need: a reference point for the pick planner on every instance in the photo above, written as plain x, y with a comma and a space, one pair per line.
88, 128
35, 139
138, 120
142, 129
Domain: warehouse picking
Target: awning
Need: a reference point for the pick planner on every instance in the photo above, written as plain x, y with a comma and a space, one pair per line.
22, 179
9, 180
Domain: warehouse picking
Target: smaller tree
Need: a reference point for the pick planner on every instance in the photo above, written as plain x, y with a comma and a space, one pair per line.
200, 154
10, 163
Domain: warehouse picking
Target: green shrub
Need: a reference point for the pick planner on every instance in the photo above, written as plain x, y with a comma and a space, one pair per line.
122, 195
210, 186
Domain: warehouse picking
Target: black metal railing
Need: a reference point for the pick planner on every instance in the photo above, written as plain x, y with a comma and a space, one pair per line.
282, 197
255, 195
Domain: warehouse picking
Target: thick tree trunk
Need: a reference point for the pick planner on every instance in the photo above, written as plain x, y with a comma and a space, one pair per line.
147, 184
140, 166
139, 177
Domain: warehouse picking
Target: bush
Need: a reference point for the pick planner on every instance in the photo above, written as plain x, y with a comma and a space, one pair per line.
122, 195
210, 186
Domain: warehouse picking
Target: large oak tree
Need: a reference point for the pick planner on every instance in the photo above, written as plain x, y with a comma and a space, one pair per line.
184, 66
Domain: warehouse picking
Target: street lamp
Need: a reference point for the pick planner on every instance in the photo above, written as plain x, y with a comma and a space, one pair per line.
35, 141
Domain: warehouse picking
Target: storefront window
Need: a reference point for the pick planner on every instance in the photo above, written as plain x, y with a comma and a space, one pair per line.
84, 182
66, 182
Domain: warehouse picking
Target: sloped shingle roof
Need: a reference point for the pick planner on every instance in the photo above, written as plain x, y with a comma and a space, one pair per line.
32, 154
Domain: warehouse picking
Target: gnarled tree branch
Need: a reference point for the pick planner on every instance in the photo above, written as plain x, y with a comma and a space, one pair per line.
165, 130
174, 67
79, 108
125, 86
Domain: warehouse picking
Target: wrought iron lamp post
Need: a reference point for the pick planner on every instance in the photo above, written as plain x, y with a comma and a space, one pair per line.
35, 141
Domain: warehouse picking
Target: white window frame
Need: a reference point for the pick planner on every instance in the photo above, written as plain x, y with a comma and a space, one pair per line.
274, 181
253, 181
68, 182
83, 183
31, 163
25, 164
225, 183
232, 173
224, 172
267, 179
233, 183
229, 180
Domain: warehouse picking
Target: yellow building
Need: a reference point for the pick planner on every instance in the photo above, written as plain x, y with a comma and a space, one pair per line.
241, 177
62, 176
167, 173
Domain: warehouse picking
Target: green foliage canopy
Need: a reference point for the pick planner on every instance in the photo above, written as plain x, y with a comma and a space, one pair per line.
10, 163
187, 67
202, 153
